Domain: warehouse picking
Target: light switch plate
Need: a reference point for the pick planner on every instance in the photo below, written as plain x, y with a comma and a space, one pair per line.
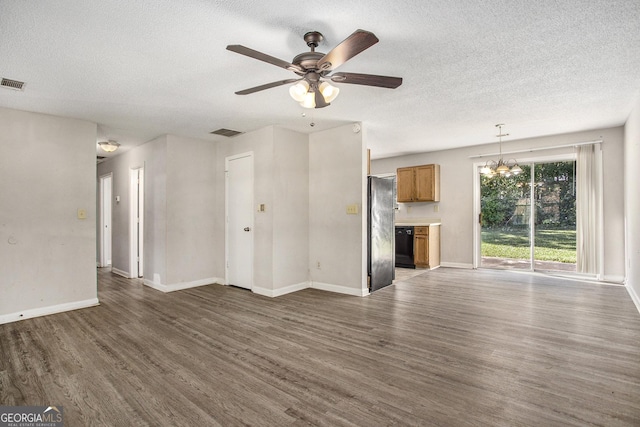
352, 209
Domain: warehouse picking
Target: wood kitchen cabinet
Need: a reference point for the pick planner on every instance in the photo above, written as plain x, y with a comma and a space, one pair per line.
426, 246
418, 184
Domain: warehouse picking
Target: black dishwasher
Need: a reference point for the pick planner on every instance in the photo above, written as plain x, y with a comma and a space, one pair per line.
404, 246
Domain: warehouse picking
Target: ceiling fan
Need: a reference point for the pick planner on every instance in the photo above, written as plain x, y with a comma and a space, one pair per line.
312, 88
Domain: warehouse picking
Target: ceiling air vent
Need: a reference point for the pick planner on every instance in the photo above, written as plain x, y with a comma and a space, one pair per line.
225, 132
11, 84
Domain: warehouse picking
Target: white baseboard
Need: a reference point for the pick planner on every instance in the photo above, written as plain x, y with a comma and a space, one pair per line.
340, 289
456, 265
120, 273
45, 311
614, 279
182, 285
634, 296
281, 291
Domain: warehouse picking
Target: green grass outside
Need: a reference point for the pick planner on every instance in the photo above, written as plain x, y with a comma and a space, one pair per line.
513, 242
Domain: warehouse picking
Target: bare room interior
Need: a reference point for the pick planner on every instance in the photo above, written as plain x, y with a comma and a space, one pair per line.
348, 214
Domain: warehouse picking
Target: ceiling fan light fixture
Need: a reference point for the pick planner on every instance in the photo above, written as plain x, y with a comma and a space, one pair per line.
299, 90
109, 146
314, 67
328, 91
309, 100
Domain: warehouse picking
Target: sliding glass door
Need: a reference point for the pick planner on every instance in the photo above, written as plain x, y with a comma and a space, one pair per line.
555, 216
528, 221
506, 220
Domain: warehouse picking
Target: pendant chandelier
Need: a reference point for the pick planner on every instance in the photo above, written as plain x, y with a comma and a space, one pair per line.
501, 168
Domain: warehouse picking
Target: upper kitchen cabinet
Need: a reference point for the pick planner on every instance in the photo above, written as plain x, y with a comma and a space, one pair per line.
418, 184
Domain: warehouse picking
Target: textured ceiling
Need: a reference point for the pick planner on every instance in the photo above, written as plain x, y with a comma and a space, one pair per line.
144, 68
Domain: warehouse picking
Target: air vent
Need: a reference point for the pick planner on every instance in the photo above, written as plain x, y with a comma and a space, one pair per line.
11, 84
225, 132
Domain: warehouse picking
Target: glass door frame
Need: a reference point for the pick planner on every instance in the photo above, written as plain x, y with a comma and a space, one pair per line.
477, 207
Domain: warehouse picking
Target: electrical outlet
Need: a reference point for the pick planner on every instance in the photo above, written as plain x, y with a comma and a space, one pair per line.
436, 208
82, 214
318, 265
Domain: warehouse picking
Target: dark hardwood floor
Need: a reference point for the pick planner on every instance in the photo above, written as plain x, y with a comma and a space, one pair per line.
448, 347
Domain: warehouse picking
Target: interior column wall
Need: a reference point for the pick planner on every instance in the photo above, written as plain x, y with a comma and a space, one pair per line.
191, 199
290, 211
337, 240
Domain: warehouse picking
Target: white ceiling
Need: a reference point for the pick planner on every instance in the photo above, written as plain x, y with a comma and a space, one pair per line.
144, 68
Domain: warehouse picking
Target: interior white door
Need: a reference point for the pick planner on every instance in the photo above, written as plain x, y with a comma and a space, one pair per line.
105, 220
239, 220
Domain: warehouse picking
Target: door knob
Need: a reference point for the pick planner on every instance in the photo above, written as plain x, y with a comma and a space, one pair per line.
247, 229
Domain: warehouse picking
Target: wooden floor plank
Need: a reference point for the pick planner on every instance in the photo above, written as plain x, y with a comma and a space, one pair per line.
441, 347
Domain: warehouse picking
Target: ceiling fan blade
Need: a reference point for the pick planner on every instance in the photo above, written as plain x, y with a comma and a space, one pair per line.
366, 79
350, 47
266, 86
242, 50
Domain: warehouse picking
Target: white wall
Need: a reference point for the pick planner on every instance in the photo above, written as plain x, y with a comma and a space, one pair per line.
456, 192
191, 208
47, 173
632, 202
290, 210
337, 178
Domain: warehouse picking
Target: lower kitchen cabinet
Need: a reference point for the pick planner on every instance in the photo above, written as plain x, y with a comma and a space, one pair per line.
426, 246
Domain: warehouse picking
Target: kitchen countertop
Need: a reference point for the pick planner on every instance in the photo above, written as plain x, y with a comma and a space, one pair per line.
419, 221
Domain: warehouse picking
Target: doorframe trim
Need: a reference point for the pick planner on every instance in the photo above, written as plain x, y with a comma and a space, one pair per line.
228, 159
101, 257
136, 240
477, 229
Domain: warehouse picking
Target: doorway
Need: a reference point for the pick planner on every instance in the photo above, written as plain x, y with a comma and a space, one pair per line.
528, 221
106, 191
136, 223
239, 220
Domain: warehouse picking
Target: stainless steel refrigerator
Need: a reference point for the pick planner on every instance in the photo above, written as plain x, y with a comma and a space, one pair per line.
380, 232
